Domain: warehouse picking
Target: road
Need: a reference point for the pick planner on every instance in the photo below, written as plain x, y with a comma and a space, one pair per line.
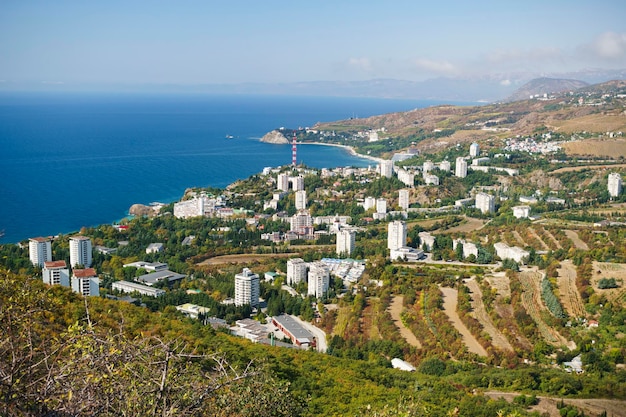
319, 334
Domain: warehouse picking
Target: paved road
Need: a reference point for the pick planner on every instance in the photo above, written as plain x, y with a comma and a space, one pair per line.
319, 334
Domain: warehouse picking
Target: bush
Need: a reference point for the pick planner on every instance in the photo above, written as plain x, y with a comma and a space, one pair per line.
606, 283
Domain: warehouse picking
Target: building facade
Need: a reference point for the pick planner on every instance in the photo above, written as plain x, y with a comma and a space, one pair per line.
346, 240
39, 251
486, 203
56, 273
282, 182
319, 279
300, 200
80, 251
385, 168
403, 199
474, 150
86, 282
247, 288
615, 184
296, 271
460, 169
396, 235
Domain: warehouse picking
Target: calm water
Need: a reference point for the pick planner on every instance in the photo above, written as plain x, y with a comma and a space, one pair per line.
73, 160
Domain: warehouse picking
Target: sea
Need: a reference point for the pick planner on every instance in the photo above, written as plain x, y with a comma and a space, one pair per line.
69, 160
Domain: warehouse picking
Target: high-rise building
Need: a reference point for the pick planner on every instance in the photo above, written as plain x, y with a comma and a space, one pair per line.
460, 169
300, 200
385, 168
403, 199
474, 150
80, 251
346, 240
297, 183
302, 224
319, 279
86, 282
296, 271
486, 203
282, 182
39, 250
615, 184
381, 205
396, 235
56, 273
370, 202
247, 288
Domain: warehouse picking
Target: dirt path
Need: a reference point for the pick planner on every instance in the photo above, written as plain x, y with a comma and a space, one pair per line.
568, 292
395, 309
539, 239
532, 302
573, 236
591, 406
497, 338
450, 296
244, 258
519, 239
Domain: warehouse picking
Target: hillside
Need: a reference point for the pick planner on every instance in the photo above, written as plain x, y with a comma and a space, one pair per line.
593, 110
545, 86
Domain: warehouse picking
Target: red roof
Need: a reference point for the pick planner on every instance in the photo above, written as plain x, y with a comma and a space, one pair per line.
40, 239
85, 273
54, 264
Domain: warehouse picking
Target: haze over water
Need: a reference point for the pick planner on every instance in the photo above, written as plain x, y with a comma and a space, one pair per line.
73, 160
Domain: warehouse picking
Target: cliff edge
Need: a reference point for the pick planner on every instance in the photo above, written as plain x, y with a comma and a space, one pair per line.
275, 137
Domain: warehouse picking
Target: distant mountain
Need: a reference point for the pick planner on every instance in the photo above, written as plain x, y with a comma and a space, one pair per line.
541, 86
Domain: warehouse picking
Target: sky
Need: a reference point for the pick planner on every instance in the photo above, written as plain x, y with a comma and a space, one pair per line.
190, 42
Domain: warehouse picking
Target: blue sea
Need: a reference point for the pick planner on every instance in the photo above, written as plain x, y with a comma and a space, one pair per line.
76, 159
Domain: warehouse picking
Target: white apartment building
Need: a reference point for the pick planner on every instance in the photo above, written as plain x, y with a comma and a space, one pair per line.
403, 199
406, 177
282, 182
444, 166
460, 169
396, 235
504, 251
80, 251
297, 183
86, 282
302, 224
426, 239
296, 271
521, 212
486, 203
431, 179
300, 200
385, 168
615, 184
319, 279
474, 150
427, 167
370, 202
39, 250
346, 240
468, 247
381, 206
56, 273
247, 288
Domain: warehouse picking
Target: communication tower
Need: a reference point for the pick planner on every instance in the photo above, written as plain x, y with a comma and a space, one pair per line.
293, 150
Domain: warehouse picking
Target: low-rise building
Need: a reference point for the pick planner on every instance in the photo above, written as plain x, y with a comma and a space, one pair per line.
86, 282
56, 273
130, 287
155, 248
293, 330
521, 212
504, 251
164, 274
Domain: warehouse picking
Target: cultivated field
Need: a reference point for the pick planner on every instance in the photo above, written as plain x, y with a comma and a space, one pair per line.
543, 244
469, 225
568, 293
610, 270
498, 340
520, 240
450, 297
532, 302
395, 309
573, 236
592, 122
583, 167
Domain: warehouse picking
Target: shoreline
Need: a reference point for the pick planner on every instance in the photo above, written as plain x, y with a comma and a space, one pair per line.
350, 150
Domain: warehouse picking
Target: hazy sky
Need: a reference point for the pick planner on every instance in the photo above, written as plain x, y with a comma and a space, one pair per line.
190, 42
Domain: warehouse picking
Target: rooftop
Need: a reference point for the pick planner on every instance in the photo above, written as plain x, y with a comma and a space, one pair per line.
55, 264
85, 273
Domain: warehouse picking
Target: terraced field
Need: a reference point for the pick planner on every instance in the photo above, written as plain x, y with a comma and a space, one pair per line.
568, 292
543, 244
497, 338
532, 302
395, 309
450, 297
576, 240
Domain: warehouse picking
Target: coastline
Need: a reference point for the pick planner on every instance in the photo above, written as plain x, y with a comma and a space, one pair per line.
350, 150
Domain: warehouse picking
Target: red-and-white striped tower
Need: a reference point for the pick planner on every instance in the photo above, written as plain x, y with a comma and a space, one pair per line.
293, 150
